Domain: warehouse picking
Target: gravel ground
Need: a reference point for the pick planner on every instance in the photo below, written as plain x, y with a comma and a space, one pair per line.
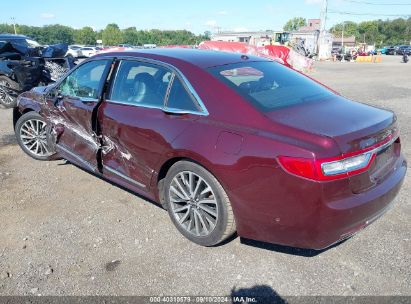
67, 232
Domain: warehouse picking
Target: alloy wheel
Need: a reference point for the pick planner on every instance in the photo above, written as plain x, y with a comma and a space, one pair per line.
34, 137
193, 203
5, 98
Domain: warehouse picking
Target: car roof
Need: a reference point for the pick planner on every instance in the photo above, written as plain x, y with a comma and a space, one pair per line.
11, 36
200, 58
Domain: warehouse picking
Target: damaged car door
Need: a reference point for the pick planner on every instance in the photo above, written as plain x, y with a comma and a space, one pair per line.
135, 126
75, 100
130, 118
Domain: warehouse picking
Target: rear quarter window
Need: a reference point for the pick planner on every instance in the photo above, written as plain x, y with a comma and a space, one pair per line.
180, 99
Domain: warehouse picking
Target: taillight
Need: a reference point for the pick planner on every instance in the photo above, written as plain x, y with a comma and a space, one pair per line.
334, 168
341, 168
347, 165
304, 167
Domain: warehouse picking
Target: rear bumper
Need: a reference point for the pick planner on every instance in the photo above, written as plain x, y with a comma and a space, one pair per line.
326, 219
344, 218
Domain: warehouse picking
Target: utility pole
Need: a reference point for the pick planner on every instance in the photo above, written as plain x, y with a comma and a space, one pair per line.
342, 42
13, 20
322, 48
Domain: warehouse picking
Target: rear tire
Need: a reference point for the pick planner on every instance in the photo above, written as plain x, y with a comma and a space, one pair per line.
197, 204
31, 134
5, 99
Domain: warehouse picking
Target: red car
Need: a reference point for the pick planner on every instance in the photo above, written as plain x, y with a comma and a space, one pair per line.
225, 142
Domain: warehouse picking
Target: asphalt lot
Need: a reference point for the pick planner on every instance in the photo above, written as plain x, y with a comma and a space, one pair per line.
66, 232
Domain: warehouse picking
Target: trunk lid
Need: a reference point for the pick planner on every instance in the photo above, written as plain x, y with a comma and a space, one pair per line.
353, 126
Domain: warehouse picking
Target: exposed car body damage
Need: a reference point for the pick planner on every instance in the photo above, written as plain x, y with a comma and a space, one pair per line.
24, 68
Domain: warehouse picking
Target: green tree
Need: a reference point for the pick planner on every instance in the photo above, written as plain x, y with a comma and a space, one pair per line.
130, 36
378, 32
85, 35
99, 35
407, 33
33, 32
207, 35
350, 29
51, 34
112, 35
295, 24
369, 32
6, 28
396, 31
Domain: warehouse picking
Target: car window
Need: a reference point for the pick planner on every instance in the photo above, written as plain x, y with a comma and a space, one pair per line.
179, 98
269, 85
134, 70
85, 81
33, 43
140, 83
22, 42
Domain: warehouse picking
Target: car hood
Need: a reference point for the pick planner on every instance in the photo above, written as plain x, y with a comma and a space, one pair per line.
41, 89
36, 94
352, 125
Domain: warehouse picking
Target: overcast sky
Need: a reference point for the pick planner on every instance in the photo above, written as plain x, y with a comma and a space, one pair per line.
195, 15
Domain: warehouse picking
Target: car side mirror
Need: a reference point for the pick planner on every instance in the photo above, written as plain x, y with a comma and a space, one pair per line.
59, 95
56, 95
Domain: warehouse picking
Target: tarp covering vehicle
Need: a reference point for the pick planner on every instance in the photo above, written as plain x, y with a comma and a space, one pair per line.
279, 53
22, 68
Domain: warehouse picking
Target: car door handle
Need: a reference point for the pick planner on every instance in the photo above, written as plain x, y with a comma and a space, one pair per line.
174, 112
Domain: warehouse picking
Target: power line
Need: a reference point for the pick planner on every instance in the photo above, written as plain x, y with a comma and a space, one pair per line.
368, 14
376, 3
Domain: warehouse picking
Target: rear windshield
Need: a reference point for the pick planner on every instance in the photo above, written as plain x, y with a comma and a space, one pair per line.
269, 85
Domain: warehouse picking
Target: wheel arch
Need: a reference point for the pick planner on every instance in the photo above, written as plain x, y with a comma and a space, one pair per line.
17, 114
157, 181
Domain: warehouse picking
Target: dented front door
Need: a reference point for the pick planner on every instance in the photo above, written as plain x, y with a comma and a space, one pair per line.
77, 97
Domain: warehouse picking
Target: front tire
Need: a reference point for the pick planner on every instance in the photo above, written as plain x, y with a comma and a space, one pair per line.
5, 99
31, 134
198, 205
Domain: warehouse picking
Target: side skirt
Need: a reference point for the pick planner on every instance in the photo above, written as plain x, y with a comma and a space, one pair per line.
71, 156
128, 179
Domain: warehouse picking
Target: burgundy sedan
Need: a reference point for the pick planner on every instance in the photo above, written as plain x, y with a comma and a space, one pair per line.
225, 142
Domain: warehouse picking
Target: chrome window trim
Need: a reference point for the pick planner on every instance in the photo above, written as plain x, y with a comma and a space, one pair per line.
174, 70
130, 103
84, 99
164, 109
170, 85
